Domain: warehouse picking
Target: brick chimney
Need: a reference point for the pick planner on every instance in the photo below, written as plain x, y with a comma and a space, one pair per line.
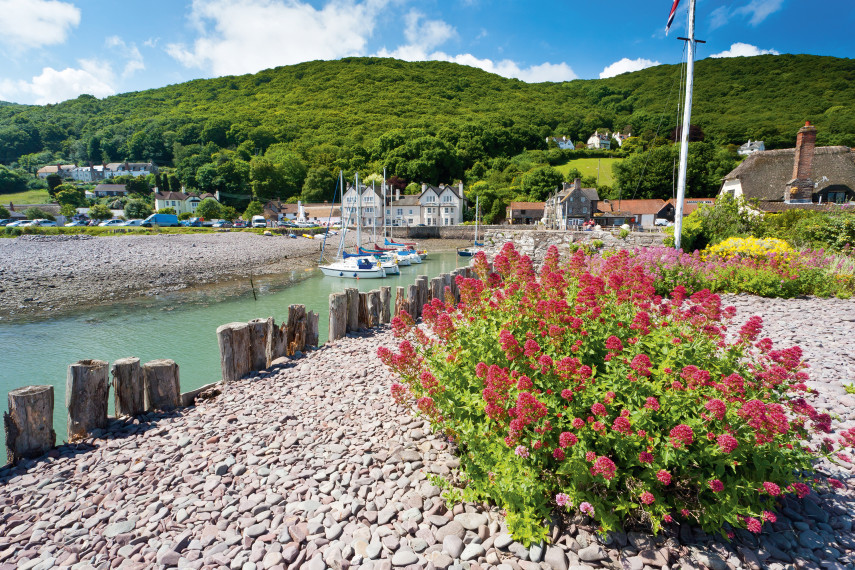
800, 188
577, 184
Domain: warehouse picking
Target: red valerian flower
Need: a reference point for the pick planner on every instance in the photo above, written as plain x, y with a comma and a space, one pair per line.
681, 435
753, 525
771, 488
567, 439
605, 467
727, 443
664, 477
647, 498
558, 454
716, 486
645, 457
717, 408
651, 403
598, 409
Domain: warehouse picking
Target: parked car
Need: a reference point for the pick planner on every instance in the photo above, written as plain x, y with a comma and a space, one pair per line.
286, 224
164, 220
240, 224
43, 223
259, 222
222, 224
135, 222
112, 223
19, 224
4, 222
76, 223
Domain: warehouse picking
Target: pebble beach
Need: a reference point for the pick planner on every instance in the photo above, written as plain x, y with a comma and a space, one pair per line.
312, 465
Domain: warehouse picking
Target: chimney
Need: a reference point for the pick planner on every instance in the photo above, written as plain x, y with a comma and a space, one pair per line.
460, 186
800, 188
577, 184
424, 186
397, 193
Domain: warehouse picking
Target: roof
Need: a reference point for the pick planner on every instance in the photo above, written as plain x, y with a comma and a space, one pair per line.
526, 205
634, 207
406, 201
170, 196
589, 193
691, 204
444, 187
54, 168
321, 211
110, 188
764, 175
777, 207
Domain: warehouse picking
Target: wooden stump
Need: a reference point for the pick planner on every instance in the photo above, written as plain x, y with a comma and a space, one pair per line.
412, 301
29, 423
128, 387
259, 332
363, 311
400, 301
278, 338
86, 391
385, 305
352, 308
296, 331
162, 385
234, 340
338, 316
373, 308
312, 331
435, 289
422, 294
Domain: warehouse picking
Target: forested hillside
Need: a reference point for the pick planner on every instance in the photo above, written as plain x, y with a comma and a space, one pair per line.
424, 121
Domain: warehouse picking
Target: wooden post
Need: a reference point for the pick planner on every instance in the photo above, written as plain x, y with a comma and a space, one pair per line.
436, 288
363, 311
312, 331
162, 385
296, 331
86, 391
259, 331
385, 305
373, 308
279, 338
128, 387
352, 308
234, 340
29, 423
422, 293
338, 316
400, 301
412, 301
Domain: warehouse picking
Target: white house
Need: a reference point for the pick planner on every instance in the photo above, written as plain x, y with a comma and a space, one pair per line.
180, 201
751, 147
368, 203
89, 173
63, 170
620, 137
600, 140
562, 141
114, 169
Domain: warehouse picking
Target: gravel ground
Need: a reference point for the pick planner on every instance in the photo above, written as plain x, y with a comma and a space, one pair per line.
312, 465
41, 275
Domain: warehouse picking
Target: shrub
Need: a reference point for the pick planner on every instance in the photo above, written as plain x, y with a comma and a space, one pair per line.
748, 247
34, 213
583, 389
167, 210
624, 233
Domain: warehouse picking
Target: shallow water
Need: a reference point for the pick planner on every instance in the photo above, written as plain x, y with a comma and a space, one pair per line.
180, 326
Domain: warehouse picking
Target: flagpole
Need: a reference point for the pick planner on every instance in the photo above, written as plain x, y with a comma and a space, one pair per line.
684, 134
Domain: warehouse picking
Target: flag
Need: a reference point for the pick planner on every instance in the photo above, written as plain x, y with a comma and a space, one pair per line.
671, 16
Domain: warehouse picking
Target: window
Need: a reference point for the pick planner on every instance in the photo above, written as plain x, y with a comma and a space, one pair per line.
388, 211
411, 210
584, 199
400, 211
447, 210
447, 198
585, 210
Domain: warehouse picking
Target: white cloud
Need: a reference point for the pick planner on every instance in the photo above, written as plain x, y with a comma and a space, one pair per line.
130, 52
52, 86
26, 24
626, 65
430, 34
245, 36
719, 17
740, 49
759, 10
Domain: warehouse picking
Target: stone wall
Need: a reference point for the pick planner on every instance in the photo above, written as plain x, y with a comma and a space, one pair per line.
535, 243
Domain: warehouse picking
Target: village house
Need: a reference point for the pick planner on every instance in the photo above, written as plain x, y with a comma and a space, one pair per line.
640, 212
524, 213
689, 205
434, 206
63, 170
114, 169
751, 147
600, 141
563, 142
804, 177
105, 190
620, 137
570, 206
181, 202
91, 173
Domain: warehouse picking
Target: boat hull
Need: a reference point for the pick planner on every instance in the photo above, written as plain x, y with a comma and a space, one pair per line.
352, 273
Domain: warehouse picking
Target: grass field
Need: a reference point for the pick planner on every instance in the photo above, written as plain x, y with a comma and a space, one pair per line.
588, 167
28, 197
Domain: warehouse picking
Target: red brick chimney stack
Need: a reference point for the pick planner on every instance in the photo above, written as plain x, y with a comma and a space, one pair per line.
805, 143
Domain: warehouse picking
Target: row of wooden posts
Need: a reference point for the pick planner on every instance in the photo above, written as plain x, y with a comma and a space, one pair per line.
244, 347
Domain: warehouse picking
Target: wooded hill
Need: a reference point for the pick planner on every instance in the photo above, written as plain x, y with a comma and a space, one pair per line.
369, 112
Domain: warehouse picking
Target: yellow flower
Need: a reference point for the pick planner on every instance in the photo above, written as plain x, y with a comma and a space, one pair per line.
749, 247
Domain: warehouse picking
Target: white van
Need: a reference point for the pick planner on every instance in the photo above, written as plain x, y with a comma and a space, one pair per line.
259, 222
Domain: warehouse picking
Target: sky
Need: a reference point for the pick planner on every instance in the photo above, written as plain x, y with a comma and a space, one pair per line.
53, 50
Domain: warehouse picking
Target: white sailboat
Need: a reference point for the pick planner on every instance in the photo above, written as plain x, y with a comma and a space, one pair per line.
358, 267
476, 247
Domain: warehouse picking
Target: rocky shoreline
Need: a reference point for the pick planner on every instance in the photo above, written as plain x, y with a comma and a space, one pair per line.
48, 275
312, 465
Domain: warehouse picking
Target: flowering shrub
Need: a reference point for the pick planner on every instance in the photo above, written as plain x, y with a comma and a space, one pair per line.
750, 247
580, 387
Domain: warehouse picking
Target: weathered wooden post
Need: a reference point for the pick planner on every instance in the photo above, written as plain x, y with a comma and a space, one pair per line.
162, 385
296, 331
128, 387
260, 331
436, 288
312, 331
400, 301
338, 316
29, 423
86, 391
234, 340
373, 308
385, 305
422, 292
363, 311
412, 301
352, 308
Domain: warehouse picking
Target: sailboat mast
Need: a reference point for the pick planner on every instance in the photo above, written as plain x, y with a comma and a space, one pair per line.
477, 214
344, 217
384, 202
684, 134
358, 215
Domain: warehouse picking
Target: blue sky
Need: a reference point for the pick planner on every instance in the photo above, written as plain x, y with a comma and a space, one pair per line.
54, 50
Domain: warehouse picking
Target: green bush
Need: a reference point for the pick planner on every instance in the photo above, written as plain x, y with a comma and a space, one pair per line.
581, 389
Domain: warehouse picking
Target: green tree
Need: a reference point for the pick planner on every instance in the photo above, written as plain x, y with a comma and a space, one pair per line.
540, 182
71, 195
11, 182
413, 189
167, 210
319, 186
255, 208
53, 181
208, 209
34, 213
100, 212
184, 216
4, 213
229, 213
67, 210
137, 209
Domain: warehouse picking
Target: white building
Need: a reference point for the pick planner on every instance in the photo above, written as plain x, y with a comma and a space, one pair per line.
91, 173
114, 169
180, 201
563, 142
600, 140
435, 206
371, 207
751, 147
